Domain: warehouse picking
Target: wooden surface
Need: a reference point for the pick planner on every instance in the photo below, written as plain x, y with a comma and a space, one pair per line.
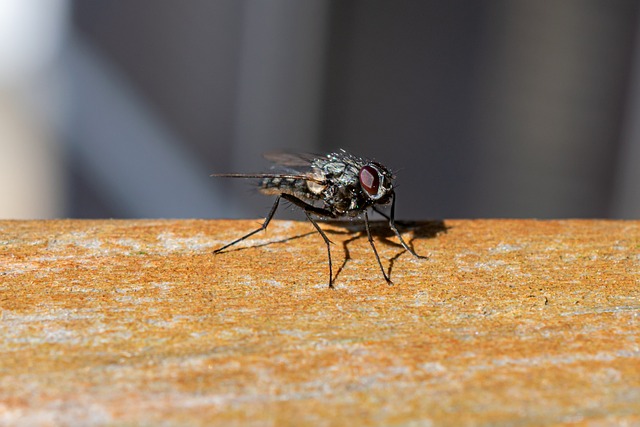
136, 322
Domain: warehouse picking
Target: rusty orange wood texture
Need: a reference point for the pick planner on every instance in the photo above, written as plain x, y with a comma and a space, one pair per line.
517, 322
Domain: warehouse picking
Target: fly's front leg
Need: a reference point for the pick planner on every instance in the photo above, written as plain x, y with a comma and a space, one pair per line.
308, 211
378, 211
262, 227
392, 225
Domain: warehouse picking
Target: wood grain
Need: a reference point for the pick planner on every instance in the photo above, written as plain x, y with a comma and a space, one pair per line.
517, 322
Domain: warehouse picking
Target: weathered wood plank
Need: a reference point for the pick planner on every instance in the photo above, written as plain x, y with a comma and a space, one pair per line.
137, 322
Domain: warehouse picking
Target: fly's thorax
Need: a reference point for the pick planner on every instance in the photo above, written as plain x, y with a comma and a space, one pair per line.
344, 196
352, 184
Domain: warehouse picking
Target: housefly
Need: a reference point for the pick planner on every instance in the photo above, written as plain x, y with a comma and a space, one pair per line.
336, 185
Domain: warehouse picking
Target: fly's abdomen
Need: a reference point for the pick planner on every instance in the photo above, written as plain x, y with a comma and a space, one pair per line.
295, 186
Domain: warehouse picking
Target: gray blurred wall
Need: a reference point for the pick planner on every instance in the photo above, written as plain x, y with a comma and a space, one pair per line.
484, 108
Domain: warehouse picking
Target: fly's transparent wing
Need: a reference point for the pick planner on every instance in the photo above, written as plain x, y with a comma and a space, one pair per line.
296, 165
287, 165
292, 160
306, 177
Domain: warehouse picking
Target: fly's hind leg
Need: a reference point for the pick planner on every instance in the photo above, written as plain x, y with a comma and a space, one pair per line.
261, 228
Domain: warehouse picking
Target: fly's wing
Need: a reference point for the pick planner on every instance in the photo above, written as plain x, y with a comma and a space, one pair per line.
290, 159
293, 165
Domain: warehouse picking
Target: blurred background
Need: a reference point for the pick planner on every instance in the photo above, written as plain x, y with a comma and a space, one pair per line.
485, 108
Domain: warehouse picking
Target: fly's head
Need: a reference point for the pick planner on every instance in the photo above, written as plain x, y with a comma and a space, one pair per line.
377, 183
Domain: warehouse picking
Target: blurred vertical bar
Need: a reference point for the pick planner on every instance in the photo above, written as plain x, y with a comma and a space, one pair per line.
551, 95
281, 75
31, 108
626, 202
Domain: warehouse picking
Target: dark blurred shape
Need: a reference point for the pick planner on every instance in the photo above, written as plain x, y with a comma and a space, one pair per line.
486, 108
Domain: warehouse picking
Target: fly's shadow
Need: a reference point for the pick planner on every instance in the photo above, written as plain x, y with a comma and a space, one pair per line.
271, 242
380, 230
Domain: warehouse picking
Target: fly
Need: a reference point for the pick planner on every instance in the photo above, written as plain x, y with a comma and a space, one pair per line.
333, 186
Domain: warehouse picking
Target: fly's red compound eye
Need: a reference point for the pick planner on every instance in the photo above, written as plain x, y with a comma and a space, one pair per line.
369, 180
